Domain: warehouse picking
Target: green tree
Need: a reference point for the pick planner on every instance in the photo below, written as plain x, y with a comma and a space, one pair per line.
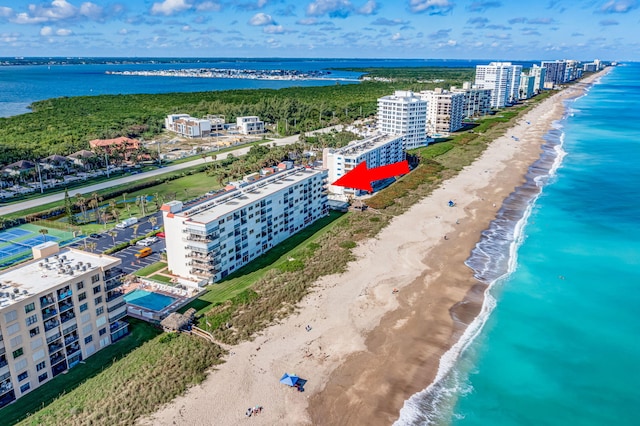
68, 208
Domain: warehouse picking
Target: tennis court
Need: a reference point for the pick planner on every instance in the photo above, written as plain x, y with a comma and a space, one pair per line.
16, 243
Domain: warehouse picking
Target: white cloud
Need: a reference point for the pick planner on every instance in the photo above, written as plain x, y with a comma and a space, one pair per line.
63, 32
59, 10
260, 19
123, 31
9, 37
396, 37
169, 7
336, 8
5, 12
619, 6
91, 11
369, 8
208, 6
46, 31
274, 29
432, 7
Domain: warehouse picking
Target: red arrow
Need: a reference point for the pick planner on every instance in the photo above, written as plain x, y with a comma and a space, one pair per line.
360, 177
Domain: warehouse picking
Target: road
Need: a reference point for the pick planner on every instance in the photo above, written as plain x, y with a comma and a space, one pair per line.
13, 208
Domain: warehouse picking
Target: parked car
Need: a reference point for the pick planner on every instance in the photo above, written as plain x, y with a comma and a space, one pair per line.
143, 243
160, 235
95, 235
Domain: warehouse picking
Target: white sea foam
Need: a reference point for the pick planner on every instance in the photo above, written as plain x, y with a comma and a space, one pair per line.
435, 403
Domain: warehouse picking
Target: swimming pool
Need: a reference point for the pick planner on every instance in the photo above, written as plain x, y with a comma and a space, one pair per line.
148, 300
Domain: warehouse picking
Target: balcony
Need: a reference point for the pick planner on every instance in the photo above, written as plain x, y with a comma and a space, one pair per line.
70, 339
197, 239
53, 338
67, 316
46, 301
114, 295
55, 347
48, 313
117, 326
72, 349
66, 306
116, 306
56, 359
197, 255
48, 325
64, 293
118, 316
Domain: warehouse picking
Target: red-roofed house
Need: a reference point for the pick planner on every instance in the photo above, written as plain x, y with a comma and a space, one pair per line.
123, 146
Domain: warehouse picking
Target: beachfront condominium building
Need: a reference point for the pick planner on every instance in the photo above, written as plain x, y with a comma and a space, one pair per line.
500, 78
526, 86
477, 102
539, 75
249, 125
185, 125
555, 73
211, 239
55, 311
514, 86
378, 150
404, 113
445, 111
573, 70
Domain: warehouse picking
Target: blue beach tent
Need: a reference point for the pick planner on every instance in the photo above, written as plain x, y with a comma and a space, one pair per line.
289, 380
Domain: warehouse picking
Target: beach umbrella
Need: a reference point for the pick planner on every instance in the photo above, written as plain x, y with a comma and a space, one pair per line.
289, 380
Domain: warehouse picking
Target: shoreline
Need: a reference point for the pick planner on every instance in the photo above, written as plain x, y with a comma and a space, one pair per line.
369, 350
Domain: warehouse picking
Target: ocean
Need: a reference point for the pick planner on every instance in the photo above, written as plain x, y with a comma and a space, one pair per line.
20, 85
557, 342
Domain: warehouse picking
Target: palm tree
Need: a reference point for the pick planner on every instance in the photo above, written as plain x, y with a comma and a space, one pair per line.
153, 220
81, 202
135, 228
44, 232
113, 234
114, 209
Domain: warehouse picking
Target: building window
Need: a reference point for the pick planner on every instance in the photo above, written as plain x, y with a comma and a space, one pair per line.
32, 319
95, 278
88, 339
11, 316
42, 377
82, 296
96, 289
97, 300
80, 285
16, 341
30, 307
102, 331
83, 307
25, 387
41, 366
23, 376
17, 353
34, 331
100, 310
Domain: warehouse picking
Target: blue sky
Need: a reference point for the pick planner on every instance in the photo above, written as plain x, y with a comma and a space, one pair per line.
507, 29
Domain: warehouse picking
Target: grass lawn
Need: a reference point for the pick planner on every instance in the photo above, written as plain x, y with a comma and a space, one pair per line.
148, 270
161, 278
244, 277
37, 399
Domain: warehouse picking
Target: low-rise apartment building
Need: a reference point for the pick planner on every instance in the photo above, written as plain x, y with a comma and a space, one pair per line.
445, 111
217, 236
55, 311
378, 150
249, 125
190, 127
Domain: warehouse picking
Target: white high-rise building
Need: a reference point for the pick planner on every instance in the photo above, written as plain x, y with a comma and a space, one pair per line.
378, 150
555, 73
224, 232
526, 86
403, 113
55, 311
500, 78
514, 86
539, 74
445, 111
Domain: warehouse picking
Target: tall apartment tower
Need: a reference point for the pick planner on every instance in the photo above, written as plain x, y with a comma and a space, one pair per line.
476, 101
499, 77
539, 74
445, 111
514, 86
555, 73
378, 150
211, 239
55, 311
403, 113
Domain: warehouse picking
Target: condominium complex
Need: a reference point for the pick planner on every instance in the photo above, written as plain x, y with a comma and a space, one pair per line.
209, 240
526, 87
500, 77
378, 150
476, 101
445, 111
403, 113
539, 74
250, 125
55, 311
555, 73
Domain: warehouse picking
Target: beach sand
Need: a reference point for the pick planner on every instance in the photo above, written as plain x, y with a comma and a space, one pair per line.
368, 349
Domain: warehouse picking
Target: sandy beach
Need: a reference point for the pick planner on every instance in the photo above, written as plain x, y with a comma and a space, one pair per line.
368, 349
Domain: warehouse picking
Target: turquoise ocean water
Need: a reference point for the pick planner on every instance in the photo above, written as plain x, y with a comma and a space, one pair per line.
558, 342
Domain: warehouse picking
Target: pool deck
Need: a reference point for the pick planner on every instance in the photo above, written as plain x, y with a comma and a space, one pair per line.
182, 297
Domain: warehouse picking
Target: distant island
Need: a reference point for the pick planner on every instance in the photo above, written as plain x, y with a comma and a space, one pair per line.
279, 74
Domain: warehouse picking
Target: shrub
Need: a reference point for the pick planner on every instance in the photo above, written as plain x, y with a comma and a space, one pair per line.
347, 244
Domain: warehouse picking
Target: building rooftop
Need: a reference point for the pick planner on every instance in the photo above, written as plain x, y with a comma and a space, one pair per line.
37, 276
356, 148
246, 194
